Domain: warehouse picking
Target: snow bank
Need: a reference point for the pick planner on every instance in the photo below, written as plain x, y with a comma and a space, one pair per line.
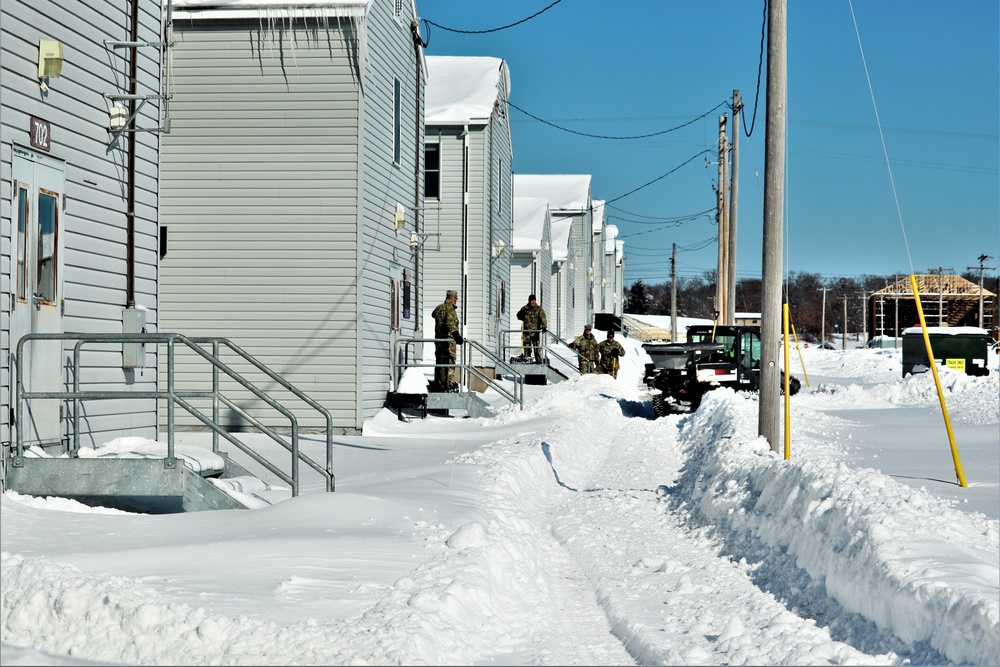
859, 536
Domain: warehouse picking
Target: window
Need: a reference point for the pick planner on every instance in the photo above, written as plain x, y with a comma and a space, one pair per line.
397, 106
45, 276
394, 305
432, 171
22, 242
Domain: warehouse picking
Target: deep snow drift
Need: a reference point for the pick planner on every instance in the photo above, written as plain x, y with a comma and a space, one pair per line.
576, 531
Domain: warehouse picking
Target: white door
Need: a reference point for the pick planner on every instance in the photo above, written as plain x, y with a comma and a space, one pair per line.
37, 262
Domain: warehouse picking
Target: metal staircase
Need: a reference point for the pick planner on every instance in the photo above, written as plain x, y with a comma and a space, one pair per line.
406, 355
131, 480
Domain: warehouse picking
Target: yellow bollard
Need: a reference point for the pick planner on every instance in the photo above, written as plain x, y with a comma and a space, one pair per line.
937, 383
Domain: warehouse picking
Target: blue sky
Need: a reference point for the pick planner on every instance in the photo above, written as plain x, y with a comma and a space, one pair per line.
640, 67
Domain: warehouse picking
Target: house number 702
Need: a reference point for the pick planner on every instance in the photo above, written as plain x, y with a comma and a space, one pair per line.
40, 132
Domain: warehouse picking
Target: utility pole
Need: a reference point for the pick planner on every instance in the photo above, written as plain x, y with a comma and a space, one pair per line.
822, 319
734, 187
769, 415
673, 294
722, 272
941, 319
982, 269
843, 334
864, 318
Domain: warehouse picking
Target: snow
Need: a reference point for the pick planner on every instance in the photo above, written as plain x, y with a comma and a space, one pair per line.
462, 88
597, 206
564, 192
560, 239
529, 223
578, 530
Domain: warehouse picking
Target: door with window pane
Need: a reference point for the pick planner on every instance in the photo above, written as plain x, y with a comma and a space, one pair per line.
37, 261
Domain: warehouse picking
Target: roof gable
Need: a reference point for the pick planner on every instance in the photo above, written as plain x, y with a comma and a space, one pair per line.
565, 192
463, 88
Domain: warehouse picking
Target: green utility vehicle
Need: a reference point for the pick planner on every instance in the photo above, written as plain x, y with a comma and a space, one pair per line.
723, 356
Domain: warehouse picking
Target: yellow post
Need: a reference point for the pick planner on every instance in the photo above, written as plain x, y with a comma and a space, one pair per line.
937, 383
786, 375
801, 360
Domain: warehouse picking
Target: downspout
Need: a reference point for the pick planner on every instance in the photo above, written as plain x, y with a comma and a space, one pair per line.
465, 225
418, 123
489, 316
133, 68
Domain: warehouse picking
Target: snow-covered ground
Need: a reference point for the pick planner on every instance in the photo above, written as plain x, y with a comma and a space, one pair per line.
576, 531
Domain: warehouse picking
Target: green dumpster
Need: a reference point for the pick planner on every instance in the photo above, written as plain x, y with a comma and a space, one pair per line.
961, 348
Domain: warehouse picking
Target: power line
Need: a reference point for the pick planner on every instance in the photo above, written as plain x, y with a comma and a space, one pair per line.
483, 32
659, 178
660, 221
616, 138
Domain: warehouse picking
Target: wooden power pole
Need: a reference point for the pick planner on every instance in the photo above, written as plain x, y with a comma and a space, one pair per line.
769, 415
722, 217
982, 269
673, 294
734, 183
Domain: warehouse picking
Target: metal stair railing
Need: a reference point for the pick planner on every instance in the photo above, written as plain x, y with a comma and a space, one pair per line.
505, 347
175, 398
403, 352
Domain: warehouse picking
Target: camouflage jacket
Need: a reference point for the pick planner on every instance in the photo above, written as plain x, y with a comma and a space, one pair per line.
533, 317
610, 349
445, 320
588, 348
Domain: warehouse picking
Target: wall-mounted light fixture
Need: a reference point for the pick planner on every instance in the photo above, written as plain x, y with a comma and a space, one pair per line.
117, 116
399, 220
50, 60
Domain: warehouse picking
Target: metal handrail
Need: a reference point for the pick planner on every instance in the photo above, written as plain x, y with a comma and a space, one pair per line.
503, 342
174, 397
401, 361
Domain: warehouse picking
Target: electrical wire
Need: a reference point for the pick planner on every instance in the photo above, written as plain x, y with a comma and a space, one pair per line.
659, 178
885, 151
760, 67
617, 138
660, 221
489, 30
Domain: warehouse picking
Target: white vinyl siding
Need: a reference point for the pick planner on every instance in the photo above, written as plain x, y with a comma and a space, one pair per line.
94, 219
280, 191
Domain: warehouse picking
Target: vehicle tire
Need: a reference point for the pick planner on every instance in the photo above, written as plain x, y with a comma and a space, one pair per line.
659, 406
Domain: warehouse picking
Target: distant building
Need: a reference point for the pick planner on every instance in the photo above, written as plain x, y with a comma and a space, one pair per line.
465, 244
747, 319
531, 260
597, 266
569, 198
947, 301
563, 281
292, 184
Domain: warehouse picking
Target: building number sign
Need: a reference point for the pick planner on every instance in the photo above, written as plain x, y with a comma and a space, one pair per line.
41, 133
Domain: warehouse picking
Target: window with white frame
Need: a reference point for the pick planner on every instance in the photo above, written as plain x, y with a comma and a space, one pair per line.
397, 113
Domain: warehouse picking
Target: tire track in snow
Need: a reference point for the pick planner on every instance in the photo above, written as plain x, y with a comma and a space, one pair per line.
667, 594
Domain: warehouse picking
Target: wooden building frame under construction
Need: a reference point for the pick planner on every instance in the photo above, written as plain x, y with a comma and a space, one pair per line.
947, 300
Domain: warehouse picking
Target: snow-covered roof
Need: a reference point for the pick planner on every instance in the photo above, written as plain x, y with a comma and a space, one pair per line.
610, 234
262, 4
565, 192
948, 331
560, 240
529, 222
463, 88
273, 11
598, 220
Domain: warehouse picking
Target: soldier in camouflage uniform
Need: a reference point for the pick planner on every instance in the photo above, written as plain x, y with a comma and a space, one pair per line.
587, 350
534, 324
610, 351
445, 326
